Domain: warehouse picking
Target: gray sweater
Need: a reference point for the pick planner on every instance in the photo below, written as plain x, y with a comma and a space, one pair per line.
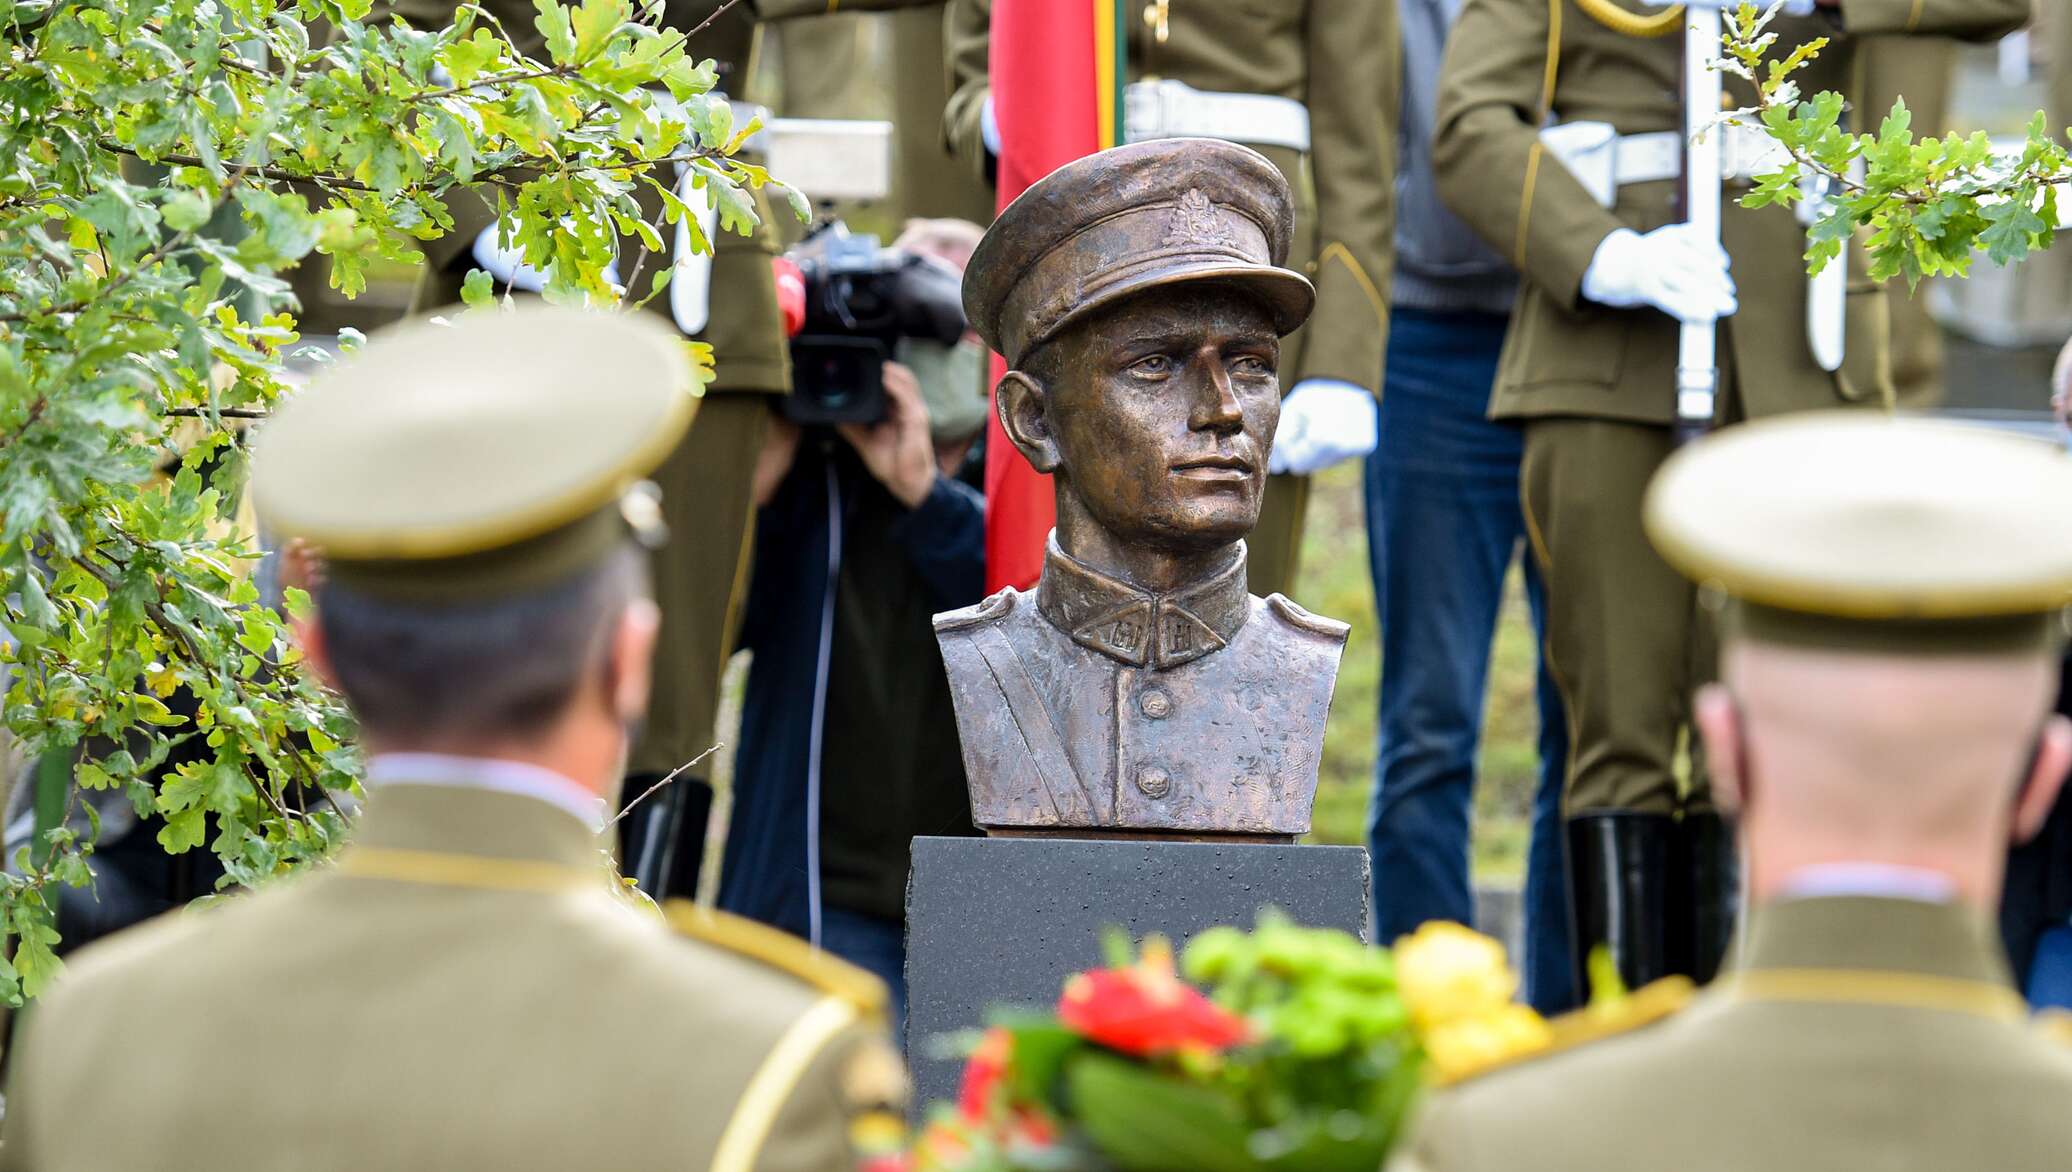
1440, 263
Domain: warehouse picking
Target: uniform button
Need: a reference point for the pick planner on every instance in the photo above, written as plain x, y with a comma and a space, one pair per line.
1156, 703
1155, 782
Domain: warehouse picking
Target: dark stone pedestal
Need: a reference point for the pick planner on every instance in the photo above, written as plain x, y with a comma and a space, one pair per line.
1003, 921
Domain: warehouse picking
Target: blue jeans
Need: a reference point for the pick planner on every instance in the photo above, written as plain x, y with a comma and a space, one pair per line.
874, 944
1443, 523
2050, 977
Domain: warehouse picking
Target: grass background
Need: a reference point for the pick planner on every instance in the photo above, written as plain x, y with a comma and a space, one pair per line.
1335, 581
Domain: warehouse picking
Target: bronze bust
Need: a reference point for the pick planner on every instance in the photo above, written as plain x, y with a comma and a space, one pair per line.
1139, 299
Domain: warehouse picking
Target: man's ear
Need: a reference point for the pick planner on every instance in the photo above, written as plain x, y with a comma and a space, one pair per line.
1024, 407
2046, 776
1719, 721
632, 659
316, 654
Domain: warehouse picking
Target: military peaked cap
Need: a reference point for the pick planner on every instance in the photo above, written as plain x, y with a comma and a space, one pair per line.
495, 455
1857, 530
1133, 218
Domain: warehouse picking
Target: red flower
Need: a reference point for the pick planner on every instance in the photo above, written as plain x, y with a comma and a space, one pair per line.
983, 1072
1032, 1128
1146, 1009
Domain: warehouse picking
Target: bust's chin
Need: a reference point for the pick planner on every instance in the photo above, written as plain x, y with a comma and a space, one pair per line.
1190, 537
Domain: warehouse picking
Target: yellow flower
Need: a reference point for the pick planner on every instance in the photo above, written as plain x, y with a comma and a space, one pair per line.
1447, 973
1468, 1046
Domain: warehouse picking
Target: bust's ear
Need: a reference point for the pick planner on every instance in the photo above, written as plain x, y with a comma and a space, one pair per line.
1024, 406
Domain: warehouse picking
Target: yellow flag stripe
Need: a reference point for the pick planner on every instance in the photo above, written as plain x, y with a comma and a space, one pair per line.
1107, 71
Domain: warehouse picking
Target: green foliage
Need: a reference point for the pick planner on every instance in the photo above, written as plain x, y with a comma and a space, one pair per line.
1922, 207
1336, 1063
162, 162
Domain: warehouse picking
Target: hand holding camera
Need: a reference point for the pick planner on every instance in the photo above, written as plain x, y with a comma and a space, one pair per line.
897, 449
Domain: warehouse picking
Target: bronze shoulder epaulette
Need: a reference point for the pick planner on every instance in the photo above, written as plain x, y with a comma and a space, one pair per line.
995, 606
1571, 1031
780, 950
2055, 1025
1315, 624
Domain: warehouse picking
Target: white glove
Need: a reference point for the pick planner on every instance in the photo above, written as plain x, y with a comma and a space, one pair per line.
1674, 269
508, 268
989, 127
1791, 7
1323, 421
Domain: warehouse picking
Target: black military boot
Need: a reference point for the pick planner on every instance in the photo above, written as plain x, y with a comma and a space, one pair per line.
1618, 874
1706, 876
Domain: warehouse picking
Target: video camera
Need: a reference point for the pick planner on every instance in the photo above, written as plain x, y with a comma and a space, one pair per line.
861, 298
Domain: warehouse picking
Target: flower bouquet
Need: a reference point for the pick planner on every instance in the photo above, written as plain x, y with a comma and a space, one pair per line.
1282, 1048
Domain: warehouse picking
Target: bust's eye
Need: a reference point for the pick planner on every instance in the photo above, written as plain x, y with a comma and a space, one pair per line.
1153, 366
1251, 365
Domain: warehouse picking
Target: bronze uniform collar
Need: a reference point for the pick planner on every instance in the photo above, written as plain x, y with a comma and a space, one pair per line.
1138, 627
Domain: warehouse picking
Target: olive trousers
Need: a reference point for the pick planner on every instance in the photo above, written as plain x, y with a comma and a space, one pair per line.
1627, 641
1273, 551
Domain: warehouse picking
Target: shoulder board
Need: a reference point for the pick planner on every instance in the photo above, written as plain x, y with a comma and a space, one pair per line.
778, 949
1315, 624
1595, 1023
2056, 1026
971, 616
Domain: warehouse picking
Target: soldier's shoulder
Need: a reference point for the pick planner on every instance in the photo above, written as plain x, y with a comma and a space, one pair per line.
1289, 614
996, 608
2054, 1026
1587, 1033
792, 971
171, 960
825, 1076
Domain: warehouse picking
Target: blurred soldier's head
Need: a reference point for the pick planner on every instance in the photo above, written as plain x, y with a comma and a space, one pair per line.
1892, 603
474, 490
1139, 298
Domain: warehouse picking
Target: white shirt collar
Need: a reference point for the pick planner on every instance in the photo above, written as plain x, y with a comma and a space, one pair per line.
1883, 880
490, 773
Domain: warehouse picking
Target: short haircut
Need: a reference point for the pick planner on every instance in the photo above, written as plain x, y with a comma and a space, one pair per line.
501, 667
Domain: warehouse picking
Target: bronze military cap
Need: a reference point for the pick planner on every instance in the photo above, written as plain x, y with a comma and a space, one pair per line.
491, 456
1856, 530
1152, 213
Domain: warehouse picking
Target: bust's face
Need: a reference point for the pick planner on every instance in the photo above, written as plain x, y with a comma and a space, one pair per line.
1163, 409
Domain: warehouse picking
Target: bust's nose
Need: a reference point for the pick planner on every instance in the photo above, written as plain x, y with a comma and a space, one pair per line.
1216, 407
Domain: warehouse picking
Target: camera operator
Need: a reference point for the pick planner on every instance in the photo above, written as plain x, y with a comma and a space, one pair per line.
867, 528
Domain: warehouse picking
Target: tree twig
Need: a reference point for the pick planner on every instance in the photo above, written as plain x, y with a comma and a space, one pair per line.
649, 791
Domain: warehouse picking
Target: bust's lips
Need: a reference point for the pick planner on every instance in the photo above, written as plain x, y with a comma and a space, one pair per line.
1216, 466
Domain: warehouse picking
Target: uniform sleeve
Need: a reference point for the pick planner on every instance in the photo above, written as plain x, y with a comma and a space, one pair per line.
1428, 1146
945, 541
1486, 154
1355, 80
1971, 19
847, 1109
967, 39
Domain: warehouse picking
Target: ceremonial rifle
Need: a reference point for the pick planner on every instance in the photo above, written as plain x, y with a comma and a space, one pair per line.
1697, 351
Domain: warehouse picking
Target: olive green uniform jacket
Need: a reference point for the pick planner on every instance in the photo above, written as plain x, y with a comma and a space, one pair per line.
1627, 640
1565, 356
1340, 58
855, 63
461, 991
1856, 1033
